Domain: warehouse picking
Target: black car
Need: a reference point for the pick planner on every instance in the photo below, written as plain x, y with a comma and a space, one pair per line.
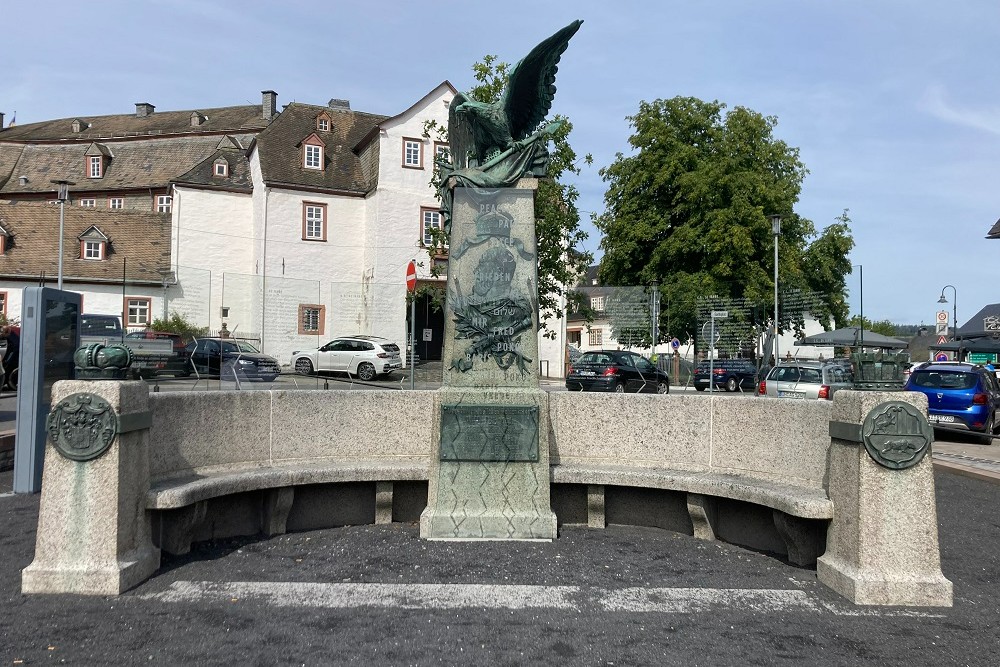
618, 371
731, 374
231, 359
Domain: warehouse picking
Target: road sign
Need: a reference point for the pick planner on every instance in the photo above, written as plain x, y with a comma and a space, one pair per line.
675, 344
942, 316
940, 356
411, 276
942, 340
720, 314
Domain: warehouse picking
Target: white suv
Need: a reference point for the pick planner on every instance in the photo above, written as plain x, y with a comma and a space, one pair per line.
365, 357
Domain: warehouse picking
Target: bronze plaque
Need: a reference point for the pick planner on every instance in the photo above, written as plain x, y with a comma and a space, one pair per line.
489, 433
82, 426
896, 435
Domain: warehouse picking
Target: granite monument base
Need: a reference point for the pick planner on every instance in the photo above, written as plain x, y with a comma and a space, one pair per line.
93, 529
882, 545
489, 479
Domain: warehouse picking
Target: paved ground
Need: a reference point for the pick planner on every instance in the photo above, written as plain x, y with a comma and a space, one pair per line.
625, 595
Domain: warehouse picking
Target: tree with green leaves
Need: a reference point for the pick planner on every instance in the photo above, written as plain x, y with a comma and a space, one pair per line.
561, 262
690, 208
179, 324
884, 327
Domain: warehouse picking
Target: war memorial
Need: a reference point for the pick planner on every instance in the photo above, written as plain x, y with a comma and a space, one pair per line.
845, 486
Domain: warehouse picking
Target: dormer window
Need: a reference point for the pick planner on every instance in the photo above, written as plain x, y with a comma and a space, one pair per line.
4, 241
312, 152
220, 168
323, 122
97, 157
93, 245
79, 126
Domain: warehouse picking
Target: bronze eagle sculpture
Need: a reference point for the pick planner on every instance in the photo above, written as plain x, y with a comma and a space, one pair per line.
495, 144
481, 131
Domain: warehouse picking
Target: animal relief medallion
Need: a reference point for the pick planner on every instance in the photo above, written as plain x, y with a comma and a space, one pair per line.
896, 435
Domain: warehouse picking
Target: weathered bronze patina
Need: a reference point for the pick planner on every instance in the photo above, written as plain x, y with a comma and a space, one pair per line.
492, 145
896, 435
82, 426
489, 433
103, 362
878, 371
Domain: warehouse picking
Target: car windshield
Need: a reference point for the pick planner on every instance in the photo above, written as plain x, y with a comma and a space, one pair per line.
232, 347
943, 379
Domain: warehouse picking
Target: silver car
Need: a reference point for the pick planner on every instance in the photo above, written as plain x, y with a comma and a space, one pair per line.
805, 379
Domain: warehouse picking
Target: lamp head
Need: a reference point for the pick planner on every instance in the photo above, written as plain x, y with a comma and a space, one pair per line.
775, 224
942, 299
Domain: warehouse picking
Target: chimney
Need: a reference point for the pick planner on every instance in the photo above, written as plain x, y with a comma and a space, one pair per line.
143, 109
196, 119
1, 120
269, 105
340, 105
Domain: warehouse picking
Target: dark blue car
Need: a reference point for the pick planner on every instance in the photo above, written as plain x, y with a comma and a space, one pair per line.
959, 396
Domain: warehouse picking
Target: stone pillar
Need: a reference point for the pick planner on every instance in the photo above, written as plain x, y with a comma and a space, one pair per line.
882, 545
93, 529
489, 475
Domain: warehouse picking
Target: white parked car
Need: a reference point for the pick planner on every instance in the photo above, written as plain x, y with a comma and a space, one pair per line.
365, 357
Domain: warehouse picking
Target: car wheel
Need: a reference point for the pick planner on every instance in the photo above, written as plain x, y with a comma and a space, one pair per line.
662, 388
732, 385
699, 389
269, 378
987, 437
12, 380
366, 372
619, 389
303, 366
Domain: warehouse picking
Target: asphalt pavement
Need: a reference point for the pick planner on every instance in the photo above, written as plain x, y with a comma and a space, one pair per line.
623, 595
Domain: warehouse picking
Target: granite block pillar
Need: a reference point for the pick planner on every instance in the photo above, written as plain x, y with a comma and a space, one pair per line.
489, 475
882, 545
93, 528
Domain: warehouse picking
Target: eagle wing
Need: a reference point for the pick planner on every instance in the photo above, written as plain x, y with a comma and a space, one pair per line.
531, 84
460, 135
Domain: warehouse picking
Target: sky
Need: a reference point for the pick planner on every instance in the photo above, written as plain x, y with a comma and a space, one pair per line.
893, 104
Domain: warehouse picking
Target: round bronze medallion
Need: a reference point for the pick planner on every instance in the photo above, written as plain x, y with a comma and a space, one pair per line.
82, 426
896, 434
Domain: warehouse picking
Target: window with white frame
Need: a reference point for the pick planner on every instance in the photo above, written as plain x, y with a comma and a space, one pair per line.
430, 219
322, 124
597, 303
312, 319
595, 337
88, 202
164, 203
138, 311
116, 202
96, 166
221, 168
413, 153
313, 157
92, 249
313, 221
3, 303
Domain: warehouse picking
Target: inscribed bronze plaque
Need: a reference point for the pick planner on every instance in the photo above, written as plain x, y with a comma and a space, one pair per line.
489, 433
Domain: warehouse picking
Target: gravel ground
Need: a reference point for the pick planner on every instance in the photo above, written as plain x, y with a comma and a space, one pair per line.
794, 620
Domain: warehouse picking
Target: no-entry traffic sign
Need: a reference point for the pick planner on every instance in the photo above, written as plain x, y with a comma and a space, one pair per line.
411, 276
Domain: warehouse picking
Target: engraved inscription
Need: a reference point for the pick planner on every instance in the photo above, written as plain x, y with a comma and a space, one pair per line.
489, 433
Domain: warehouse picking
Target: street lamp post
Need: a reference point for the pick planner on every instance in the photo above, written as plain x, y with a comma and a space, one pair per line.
861, 301
776, 230
167, 277
62, 197
954, 315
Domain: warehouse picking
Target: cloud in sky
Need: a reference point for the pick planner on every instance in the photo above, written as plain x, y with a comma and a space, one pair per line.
935, 102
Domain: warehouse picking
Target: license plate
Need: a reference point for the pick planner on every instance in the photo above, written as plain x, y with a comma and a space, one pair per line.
791, 394
941, 418
588, 373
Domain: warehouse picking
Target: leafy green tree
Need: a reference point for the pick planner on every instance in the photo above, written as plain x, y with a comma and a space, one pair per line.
884, 327
561, 262
690, 207
179, 324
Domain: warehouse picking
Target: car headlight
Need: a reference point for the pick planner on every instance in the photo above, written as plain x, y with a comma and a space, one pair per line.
294, 352
246, 362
